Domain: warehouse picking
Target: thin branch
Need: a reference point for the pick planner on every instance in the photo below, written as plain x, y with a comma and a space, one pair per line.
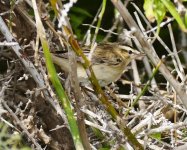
149, 51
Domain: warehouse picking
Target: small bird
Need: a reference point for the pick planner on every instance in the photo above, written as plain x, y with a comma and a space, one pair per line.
108, 60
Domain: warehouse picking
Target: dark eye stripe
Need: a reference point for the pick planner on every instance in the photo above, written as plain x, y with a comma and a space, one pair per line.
118, 60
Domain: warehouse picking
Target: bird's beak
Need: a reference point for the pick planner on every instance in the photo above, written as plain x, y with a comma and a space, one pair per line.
139, 56
134, 53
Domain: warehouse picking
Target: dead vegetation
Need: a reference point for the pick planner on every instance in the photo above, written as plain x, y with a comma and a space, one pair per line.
30, 106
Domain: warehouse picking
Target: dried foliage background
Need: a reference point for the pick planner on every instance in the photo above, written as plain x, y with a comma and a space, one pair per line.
158, 120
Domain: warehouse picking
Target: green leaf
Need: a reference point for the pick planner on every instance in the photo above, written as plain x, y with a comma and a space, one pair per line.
76, 20
81, 11
171, 8
159, 10
154, 9
77, 17
148, 8
156, 136
185, 18
104, 148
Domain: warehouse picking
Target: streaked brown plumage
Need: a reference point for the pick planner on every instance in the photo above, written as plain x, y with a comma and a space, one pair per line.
108, 62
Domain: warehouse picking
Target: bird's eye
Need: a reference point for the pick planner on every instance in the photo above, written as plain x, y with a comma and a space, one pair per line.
130, 52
